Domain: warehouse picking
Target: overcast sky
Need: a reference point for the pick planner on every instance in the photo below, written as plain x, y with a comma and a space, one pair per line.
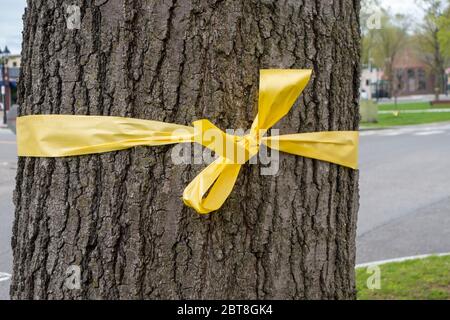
408, 7
12, 10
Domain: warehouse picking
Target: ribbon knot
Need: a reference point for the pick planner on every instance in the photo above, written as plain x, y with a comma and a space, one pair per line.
237, 149
71, 135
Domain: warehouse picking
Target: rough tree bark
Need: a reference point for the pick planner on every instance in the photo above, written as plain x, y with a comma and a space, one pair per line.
119, 215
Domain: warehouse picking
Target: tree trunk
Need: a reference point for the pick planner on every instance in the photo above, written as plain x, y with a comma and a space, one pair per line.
119, 216
438, 65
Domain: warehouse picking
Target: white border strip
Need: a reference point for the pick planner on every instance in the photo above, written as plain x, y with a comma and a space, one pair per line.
4, 276
422, 256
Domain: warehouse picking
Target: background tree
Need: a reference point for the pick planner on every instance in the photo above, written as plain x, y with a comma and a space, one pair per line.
382, 46
444, 32
119, 215
429, 45
369, 16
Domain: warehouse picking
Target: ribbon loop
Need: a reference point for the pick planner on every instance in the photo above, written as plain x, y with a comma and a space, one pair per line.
217, 181
278, 90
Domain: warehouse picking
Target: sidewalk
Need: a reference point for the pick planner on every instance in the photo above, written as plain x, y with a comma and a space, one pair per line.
413, 98
415, 111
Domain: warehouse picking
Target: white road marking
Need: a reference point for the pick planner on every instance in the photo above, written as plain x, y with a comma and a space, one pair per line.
421, 131
393, 133
4, 276
427, 133
368, 133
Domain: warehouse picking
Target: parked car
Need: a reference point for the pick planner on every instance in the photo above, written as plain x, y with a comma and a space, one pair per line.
381, 93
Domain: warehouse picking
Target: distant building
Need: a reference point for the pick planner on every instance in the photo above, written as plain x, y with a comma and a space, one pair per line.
369, 77
411, 75
13, 71
372, 84
14, 61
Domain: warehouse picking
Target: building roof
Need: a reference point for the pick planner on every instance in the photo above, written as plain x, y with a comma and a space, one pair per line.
408, 58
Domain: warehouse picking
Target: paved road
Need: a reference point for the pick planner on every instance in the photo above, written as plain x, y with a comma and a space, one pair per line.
7, 175
405, 192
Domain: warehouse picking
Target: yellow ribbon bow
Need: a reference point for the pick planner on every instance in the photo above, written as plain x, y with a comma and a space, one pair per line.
71, 135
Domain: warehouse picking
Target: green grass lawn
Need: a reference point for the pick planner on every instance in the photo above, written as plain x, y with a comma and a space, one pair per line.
388, 120
421, 279
405, 106
410, 106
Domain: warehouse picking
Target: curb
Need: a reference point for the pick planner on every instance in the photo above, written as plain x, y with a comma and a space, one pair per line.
405, 126
401, 259
375, 128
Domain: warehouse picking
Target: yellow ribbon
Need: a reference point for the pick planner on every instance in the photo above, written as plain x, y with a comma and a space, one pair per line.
71, 135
